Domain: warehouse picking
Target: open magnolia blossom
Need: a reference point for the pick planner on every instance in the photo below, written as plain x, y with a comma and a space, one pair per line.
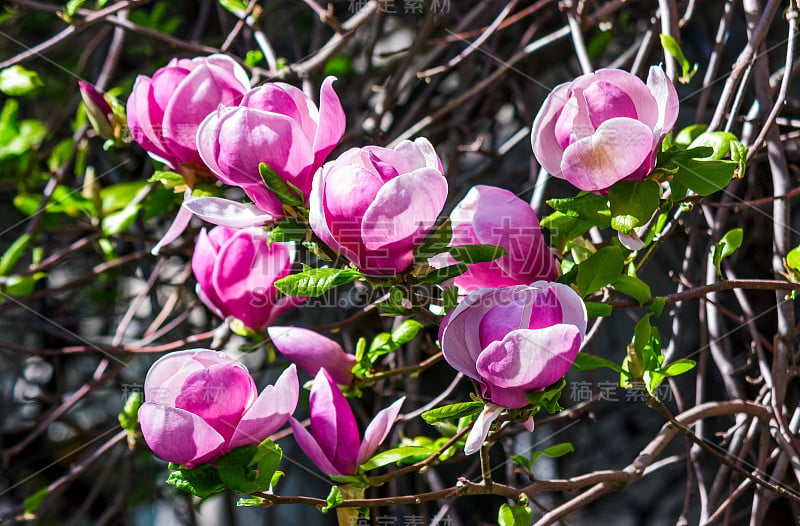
513, 341
604, 127
201, 404
374, 205
311, 351
165, 111
333, 443
276, 124
489, 215
236, 273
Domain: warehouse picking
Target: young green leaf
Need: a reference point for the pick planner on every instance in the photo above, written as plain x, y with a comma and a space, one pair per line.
595, 309
600, 269
705, 177
588, 362
445, 273
316, 281
726, 246
673, 48
679, 367
278, 186
519, 515
633, 203
452, 411
14, 253
471, 254
16, 81
201, 481
395, 455
558, 450
436, 242
634, 287
335, 498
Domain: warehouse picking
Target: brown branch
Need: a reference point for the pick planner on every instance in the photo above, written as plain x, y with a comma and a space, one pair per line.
703, 290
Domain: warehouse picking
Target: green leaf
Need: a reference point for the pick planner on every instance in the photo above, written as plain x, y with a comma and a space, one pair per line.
471, 254
201, 481
564, 228
395, 455
739, 156
335, 498
70, 9
586, 206
673, 48
406, 331
129, 416
589, 362
248, 502
718, 140
117, 196
705, 177
167, 178
435, 242
287, 229
250, 468
278, 186
449, 299
600, 269
452, 411
548, 399
634, 287
61, 154
338, 66
519, 515
792, 259
253, 57
121, 221
641, 334
21, 285
443, 274
596, 309
237, 7
633, 203
16, 81
726, 246
558, 450
31, 504
658, 305
316, 281
688, 134
521, 460
14, 253
679, 367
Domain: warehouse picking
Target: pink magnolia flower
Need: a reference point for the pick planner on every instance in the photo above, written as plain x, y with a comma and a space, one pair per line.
200, 404
333, 443
493, 216
512, 341
311, 351
236, 272
275, 124
374, 205
604, 127
164, 111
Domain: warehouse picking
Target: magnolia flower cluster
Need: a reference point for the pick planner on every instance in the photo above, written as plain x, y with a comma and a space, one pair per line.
201, 404
514, 331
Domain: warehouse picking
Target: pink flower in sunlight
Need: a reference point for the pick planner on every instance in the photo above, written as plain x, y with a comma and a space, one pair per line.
200, 404
604, 127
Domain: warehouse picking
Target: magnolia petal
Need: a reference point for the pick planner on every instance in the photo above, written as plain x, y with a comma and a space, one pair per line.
631, 85
406, 206
459, 332
312, 449
528, 360
167, 374
311, 351
420, 153
178, 226
616, 149
179, 436
480, 428
378, 430
573, 310
543, 135
332, 422
331, 125
271, 410
666, 96
224, 212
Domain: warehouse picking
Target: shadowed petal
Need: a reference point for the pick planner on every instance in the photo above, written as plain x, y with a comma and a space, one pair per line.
270, 411
481, 428
224, 212
331, 124
333, 424
543, 134
179, 436
378, 430
312, 449
311, 351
